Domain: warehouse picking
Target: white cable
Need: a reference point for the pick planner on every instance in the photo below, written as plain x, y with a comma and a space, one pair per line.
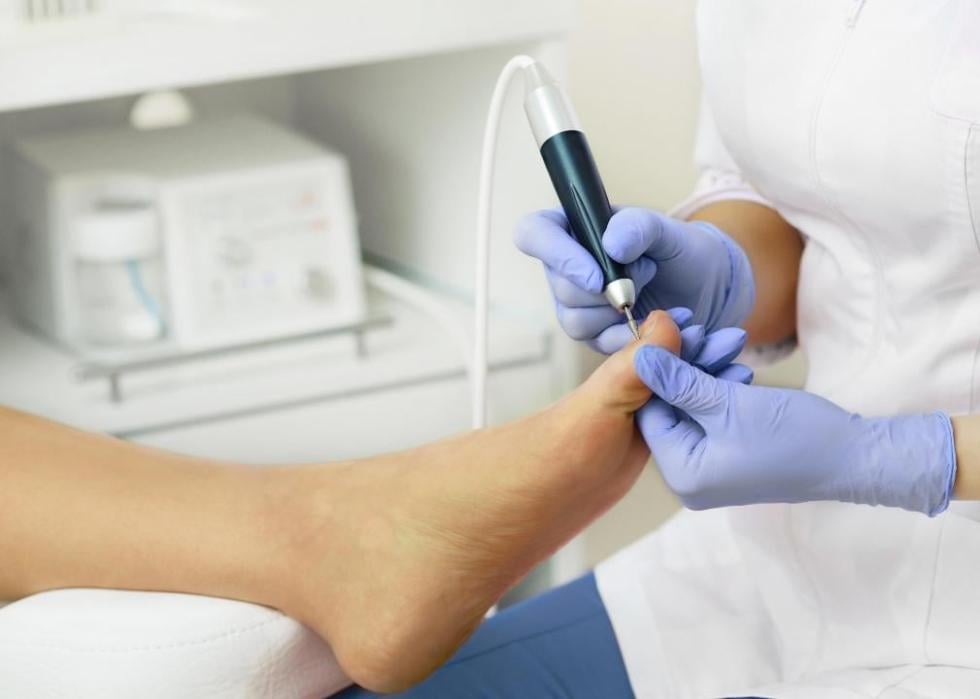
425, 301
478, 373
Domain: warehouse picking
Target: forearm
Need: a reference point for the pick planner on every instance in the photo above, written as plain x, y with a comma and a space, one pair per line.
83, 510
774, 249
966, 433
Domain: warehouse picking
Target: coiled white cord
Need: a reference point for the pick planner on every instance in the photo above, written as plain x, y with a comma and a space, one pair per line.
478, 370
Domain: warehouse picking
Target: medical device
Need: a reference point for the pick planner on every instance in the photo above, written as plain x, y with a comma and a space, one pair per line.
575, 177
221, 232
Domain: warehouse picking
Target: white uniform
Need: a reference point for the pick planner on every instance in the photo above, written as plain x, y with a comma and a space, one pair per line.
859, 121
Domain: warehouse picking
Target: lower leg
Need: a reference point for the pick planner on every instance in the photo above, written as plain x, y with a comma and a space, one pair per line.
84, 510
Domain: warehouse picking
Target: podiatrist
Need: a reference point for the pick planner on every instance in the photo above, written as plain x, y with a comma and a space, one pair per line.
838, 209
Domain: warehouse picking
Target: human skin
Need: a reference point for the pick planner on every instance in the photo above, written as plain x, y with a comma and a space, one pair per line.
966, 435
393, 560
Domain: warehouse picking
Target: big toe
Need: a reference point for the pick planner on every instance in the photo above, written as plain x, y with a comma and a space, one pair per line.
616, 381
658, 329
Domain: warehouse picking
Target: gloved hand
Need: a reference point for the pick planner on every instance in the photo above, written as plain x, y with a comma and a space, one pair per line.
719, 443
711, 352
672, 262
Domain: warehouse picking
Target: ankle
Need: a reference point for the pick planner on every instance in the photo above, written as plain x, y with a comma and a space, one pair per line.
292, 507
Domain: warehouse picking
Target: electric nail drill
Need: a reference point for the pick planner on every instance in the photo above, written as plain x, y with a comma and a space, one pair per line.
576, 180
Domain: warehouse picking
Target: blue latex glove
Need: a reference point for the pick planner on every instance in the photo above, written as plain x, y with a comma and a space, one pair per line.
720, 443
715, 352
673, 263
712, 352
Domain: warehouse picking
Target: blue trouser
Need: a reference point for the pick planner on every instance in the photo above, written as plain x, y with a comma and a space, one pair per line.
559, 644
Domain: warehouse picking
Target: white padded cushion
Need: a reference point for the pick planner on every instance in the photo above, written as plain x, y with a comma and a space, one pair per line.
112, 644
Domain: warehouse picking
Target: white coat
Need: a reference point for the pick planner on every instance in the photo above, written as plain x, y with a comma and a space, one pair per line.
859, 121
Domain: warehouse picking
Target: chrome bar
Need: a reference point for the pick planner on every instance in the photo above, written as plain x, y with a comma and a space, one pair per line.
114, 371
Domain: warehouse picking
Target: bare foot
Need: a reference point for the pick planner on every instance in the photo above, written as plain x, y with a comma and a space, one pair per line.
434, 537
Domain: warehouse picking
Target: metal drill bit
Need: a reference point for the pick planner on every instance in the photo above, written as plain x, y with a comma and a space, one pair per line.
631, 321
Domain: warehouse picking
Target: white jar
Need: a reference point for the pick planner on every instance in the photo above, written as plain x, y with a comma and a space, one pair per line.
119, 274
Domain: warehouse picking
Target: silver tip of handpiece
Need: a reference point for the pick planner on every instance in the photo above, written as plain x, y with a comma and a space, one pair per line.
631, 321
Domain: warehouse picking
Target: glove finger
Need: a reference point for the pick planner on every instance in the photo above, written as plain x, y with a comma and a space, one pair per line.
544, 235
681, 384
719, 349
642, 271
672, 437
570, 294
612, 339
633, 232
587, 323
692, 340
736, 373
681, 316
655, 419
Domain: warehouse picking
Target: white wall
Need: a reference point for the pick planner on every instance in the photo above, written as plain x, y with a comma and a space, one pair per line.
634, 80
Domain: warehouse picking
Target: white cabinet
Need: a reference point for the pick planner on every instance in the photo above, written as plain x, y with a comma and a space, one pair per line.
130, 46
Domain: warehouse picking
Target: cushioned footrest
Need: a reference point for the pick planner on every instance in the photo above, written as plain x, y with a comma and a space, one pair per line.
112, 644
